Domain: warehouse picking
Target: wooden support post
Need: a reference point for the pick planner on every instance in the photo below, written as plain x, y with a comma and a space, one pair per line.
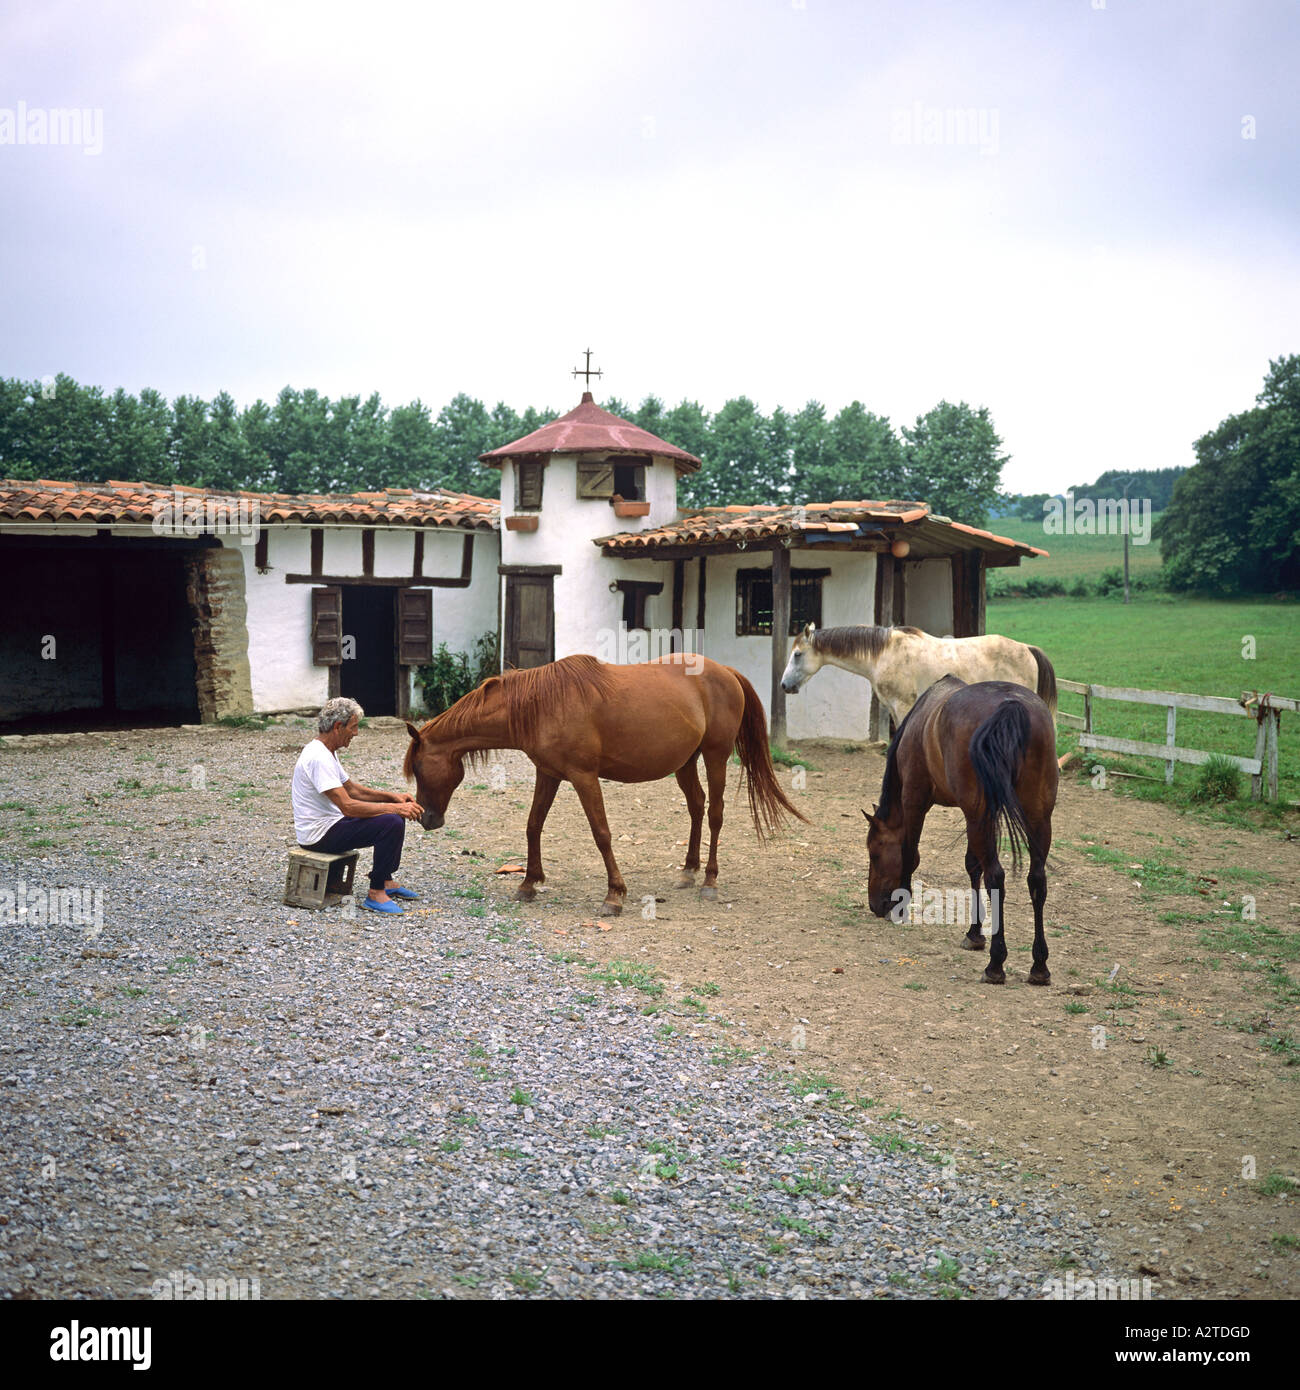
1171, 724
1274, 721
780, 638
679, 587
699, 607
1087, 710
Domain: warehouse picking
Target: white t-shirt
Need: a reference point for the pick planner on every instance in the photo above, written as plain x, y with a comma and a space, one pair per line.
317, 771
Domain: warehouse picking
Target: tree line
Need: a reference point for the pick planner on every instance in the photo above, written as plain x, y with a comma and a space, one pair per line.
304, 442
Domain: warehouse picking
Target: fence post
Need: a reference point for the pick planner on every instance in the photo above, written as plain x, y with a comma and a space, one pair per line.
1274, 720
1087, 709
1171, 724
1257, 778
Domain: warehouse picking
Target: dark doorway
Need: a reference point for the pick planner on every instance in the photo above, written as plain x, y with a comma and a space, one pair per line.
369, 670
530, 620
96, 631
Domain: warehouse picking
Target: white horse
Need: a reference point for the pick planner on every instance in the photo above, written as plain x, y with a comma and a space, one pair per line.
903, 662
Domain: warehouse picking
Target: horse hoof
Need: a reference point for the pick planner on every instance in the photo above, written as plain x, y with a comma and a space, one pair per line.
994, 978
526, 893
685, 881
708, 894
612, 909
973, 943
1039, 979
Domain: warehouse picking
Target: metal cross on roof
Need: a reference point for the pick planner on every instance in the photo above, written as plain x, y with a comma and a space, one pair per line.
586, 371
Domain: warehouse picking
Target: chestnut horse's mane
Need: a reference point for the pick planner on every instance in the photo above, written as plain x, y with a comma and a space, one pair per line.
528, 695
858, 641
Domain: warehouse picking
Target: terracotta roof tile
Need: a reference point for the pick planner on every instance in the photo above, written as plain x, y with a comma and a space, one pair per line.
47, 500
589, 429
714, 525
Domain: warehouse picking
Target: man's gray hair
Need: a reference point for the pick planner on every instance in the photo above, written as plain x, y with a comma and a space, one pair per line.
339, 710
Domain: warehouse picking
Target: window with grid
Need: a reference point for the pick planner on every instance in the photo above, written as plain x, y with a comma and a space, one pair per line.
754, 601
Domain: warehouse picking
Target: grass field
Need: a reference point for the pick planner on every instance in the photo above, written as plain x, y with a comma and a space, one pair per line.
1163, 642
1071, 557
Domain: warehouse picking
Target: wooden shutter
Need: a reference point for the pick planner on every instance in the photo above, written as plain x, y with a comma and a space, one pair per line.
327, 627
414, 627
595, 479
528, 485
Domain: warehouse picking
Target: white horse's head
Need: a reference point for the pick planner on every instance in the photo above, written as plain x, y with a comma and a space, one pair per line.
805, 661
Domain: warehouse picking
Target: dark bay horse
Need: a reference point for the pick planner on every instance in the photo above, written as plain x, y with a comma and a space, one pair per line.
579, 720
989, 748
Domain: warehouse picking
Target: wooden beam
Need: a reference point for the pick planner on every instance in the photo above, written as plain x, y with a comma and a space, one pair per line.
530, 569
407, 581
699, 599
780, 639
317, 552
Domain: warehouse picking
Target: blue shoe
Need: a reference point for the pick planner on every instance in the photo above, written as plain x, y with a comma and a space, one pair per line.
400, 893
381, 907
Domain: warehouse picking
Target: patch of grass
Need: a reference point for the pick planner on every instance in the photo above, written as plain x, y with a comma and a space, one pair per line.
1285, 1240
915, 984
629, 974
814, 1083
1276, 1185
1157, 1058
520, 1097
1074, 1007
80, 1016
649, 1262
791, 758
529, 1283
620, 1198
804, 1228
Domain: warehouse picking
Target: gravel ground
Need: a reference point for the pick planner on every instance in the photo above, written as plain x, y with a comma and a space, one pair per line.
344, 1105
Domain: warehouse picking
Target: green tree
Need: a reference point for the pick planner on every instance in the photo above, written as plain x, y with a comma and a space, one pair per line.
1233, 523
954, 461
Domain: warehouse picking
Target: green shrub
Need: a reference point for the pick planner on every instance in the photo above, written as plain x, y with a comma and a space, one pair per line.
1217, 780
1080, 589
451, 675
1110, 581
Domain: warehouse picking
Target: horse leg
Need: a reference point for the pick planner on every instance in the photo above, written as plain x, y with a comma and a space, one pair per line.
587, 785
715, 768
1039, 845
688, 779
544, 789
974, 939
995, 880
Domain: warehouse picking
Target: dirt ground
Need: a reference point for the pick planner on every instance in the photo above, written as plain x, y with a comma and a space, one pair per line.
1157, 1070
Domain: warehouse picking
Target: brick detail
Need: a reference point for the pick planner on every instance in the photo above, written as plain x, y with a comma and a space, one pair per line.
214, 586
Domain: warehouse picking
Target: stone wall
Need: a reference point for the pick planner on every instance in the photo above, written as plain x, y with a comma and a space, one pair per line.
214, 586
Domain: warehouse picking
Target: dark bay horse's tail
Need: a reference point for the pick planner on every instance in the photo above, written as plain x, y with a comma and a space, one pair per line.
767, 802
1046, 680
997, 753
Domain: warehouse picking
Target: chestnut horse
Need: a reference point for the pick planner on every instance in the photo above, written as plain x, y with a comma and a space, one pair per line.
579, 720
989, 748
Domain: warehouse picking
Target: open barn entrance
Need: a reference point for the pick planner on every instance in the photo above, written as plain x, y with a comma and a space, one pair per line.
97, 631
368, 673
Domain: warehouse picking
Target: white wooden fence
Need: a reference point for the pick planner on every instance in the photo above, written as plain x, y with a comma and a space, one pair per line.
1266, 709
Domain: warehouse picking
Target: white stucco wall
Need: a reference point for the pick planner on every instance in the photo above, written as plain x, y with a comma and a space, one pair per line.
929, 596
835, 703
587, 614
279, 614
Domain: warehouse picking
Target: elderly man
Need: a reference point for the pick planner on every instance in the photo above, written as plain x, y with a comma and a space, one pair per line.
331, 813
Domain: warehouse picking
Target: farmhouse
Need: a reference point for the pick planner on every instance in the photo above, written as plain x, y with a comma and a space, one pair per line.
137, 602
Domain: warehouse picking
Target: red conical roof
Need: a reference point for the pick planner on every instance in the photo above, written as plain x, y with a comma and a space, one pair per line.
587, 429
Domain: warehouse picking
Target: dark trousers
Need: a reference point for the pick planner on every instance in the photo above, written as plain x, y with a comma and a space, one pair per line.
356, 832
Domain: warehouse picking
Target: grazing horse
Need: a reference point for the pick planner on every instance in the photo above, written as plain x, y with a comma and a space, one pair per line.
901, 662
990, 749
579, 720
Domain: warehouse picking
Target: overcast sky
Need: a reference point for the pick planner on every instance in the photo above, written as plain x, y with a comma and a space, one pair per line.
761, 197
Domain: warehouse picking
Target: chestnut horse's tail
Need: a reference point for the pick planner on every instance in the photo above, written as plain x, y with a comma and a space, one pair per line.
1046, 680
997, 753
767, 802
